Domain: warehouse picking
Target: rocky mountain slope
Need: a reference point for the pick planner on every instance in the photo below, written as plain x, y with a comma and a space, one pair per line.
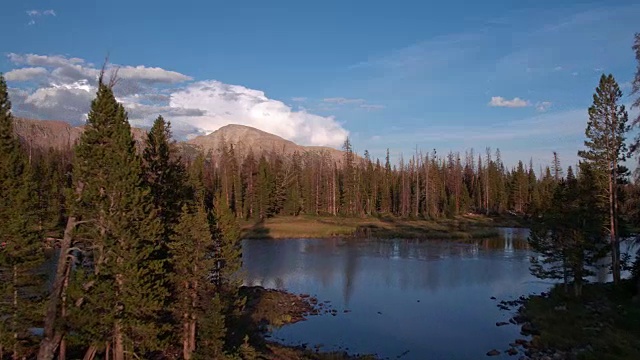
61, 135
246, 138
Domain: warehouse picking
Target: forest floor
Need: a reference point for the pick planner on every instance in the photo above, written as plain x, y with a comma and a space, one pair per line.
307, 226
603, 324
267, 309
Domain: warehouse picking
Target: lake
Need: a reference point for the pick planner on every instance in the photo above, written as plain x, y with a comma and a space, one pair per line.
408, 299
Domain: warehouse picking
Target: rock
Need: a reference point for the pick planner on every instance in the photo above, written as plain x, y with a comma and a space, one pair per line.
529, 329
502, 323
519, 319
346, 311
521, 342
493, 298
493, 352
379, 313
512, 351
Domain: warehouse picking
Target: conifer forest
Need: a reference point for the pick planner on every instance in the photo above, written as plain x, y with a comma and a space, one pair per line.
117, 248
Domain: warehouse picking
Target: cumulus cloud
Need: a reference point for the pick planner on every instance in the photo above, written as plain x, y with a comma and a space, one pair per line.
68, 102
25, 74
234, 104
499, 101
67, 86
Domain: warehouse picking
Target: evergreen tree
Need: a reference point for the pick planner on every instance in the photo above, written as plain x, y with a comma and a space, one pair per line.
567, 236
164, 174
21, 247
191, 249
119, 288
606, 131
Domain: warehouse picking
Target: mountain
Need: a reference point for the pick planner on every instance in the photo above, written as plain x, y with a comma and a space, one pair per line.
46, 134
61, 135
246, 138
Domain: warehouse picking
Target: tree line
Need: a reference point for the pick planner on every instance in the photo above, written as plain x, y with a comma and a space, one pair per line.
425, 186
111, 252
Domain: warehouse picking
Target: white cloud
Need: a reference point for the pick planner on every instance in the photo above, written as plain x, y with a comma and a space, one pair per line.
43, 60
343, 101
299, 99
543, 106
151, 74
68, 102
33, 14
69, 85
25, 74
499, 101
67, 69
233, 104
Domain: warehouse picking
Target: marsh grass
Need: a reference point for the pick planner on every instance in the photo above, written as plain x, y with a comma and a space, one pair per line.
305, 226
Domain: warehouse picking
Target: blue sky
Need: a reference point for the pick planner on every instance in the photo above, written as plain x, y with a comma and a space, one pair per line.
514, 75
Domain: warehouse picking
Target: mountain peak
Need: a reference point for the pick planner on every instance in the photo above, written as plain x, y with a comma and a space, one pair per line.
246, 138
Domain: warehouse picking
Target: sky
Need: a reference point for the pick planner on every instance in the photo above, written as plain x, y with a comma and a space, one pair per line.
450, 76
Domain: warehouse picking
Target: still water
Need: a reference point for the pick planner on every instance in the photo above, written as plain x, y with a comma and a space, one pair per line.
408, 299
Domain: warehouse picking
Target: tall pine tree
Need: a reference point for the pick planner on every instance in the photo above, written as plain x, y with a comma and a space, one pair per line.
119, 287
606, 131
21, 246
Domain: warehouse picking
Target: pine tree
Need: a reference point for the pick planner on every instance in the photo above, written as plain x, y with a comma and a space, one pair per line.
605, 132
191, 251
21, 247
164, 174
635, 91
119, 289
567, 236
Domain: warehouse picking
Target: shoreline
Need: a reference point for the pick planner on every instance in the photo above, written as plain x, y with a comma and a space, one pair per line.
270, 308
325, 227
603, 324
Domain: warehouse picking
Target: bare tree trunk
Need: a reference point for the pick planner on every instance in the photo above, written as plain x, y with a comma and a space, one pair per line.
91, 353
118, 347
62, 353
615, 260
192, 333
186, 348
108, 351
192, 325
53, 336
14, 321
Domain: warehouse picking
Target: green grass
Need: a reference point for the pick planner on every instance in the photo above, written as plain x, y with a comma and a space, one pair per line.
606, 321
462, 227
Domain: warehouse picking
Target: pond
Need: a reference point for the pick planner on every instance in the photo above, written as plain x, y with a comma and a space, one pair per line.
405, 299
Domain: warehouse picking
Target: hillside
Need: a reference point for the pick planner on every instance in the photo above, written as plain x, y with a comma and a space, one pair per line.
61, 135
246, 138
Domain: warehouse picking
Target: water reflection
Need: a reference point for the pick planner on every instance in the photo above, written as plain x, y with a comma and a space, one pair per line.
431, 298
